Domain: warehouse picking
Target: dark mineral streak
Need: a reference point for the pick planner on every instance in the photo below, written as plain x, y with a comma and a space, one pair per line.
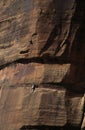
42, 64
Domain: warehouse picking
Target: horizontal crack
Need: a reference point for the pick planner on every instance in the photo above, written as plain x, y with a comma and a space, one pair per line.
46, 59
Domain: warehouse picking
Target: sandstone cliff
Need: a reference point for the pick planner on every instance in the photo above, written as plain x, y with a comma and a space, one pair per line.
42, 64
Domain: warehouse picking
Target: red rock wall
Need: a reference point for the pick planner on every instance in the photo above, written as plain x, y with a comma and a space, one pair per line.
42, 58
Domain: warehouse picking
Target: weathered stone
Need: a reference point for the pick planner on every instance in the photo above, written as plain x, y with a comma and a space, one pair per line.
21, 106
22, 74
42, 44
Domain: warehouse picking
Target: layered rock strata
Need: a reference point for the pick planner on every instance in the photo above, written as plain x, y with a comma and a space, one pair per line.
42, 58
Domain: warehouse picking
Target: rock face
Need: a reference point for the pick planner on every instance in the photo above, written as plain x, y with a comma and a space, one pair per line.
42, 64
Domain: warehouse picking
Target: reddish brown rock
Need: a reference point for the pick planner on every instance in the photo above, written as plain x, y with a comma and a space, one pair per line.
42, 57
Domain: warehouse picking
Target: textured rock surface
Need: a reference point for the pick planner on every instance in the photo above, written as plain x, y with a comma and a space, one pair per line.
42, 43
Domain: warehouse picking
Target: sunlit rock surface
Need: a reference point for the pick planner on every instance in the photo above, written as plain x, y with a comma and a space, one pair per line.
42, 64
